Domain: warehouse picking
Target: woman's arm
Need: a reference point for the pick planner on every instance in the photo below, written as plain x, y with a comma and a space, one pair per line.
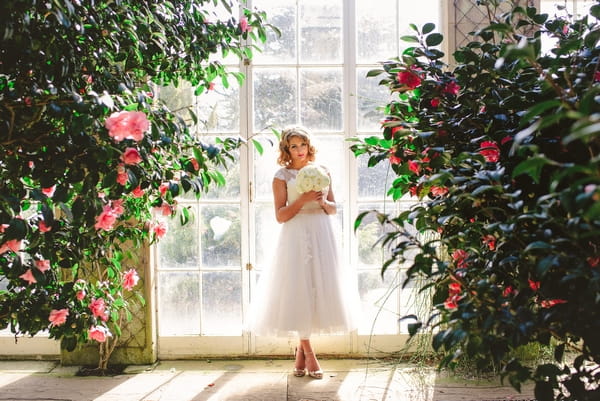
328, 205
283, 211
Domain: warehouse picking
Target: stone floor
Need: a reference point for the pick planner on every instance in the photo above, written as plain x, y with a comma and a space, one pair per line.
244, 380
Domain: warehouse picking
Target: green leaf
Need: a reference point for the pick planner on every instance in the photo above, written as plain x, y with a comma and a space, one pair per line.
533, 167
258, 146
427, 28
434, 39
584, 133
539, 109
409, 39
538, 245
358, 220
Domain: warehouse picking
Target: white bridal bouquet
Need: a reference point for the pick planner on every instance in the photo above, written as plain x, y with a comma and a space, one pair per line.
311, 178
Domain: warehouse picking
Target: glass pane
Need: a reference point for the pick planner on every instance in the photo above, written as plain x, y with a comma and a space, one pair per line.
267, 232
265, 166
275, 97
221, 303
370, 253
427, 11
370, 96
321, 31
178, 249
180, 99
218, 110
280, 50
321, 94
373, 182
179, 300
379, 299
221, 236
376, 38
330, 153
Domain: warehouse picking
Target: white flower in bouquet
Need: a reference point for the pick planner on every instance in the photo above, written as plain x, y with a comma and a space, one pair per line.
311, 178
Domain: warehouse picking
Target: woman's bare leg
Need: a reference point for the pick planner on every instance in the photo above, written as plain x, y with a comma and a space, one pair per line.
312, 364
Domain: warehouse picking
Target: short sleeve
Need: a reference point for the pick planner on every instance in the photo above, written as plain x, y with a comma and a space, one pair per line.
280, 174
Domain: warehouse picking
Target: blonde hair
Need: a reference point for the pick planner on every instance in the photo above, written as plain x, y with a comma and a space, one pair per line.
285, 158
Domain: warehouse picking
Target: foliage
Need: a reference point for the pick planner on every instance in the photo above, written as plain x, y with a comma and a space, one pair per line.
90, 159
503, 151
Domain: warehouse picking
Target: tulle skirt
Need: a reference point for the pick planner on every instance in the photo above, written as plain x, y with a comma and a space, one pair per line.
305, 290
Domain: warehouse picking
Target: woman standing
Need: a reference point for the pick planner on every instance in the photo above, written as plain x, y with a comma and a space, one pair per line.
305, 291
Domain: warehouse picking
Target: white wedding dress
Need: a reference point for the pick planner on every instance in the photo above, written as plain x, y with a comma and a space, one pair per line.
305, 290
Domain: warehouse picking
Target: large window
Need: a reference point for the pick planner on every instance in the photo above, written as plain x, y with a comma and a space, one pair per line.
314, 75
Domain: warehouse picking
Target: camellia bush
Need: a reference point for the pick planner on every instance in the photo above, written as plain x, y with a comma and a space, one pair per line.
503, 151
90, 160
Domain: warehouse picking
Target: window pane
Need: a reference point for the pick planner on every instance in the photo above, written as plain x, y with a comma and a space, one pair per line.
375, 30
280, 50
275, 97
218, 110
321, 31
371, 254
371, 95
221, 236
178, 249
267, 233
221, 303
330, 153
321, 94
265, 166
179, 300
379, 301
373, 182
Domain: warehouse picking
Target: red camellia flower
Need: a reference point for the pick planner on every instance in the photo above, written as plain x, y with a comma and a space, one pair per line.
490, 241
409, 78
10, 245
395, 159
439, 191
597, 76
413, 190
42, 265
460, 257
534, 285
49, 192
43, 227
122, 175
552, 302
127, 125
490, 151
451, 88
454, 288
435, 102
131, 156
137, 192
58, 317
414, 166
508, 290
450, 303
593, 262
160, 229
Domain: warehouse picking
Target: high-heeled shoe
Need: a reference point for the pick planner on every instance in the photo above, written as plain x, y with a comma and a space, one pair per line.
297, 371
315, 374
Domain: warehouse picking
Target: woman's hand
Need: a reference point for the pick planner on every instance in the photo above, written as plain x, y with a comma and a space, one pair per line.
316, 196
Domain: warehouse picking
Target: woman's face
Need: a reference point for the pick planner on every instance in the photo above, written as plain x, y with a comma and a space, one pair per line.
298, 149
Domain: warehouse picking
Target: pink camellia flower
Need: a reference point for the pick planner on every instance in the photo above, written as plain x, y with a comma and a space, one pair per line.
451, 88
211, 86
58, 317
166, 209
409, 78
3, 227
490, 241
131, 156
49, 192
435, 102
127, 125
439, 191
244, 26
28, 276
130, 279
122, 175
10, 245
42, 265
106, 219
98, 308
137, 192
80, 295
414, 166
117, 207
395, 159
160, 229
460, 257
454, 288
43, 227
490, 151
534, 285
195, 163
413, 190
99, 333
552, 302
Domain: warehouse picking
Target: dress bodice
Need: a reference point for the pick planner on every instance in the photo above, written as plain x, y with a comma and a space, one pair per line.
289, 176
